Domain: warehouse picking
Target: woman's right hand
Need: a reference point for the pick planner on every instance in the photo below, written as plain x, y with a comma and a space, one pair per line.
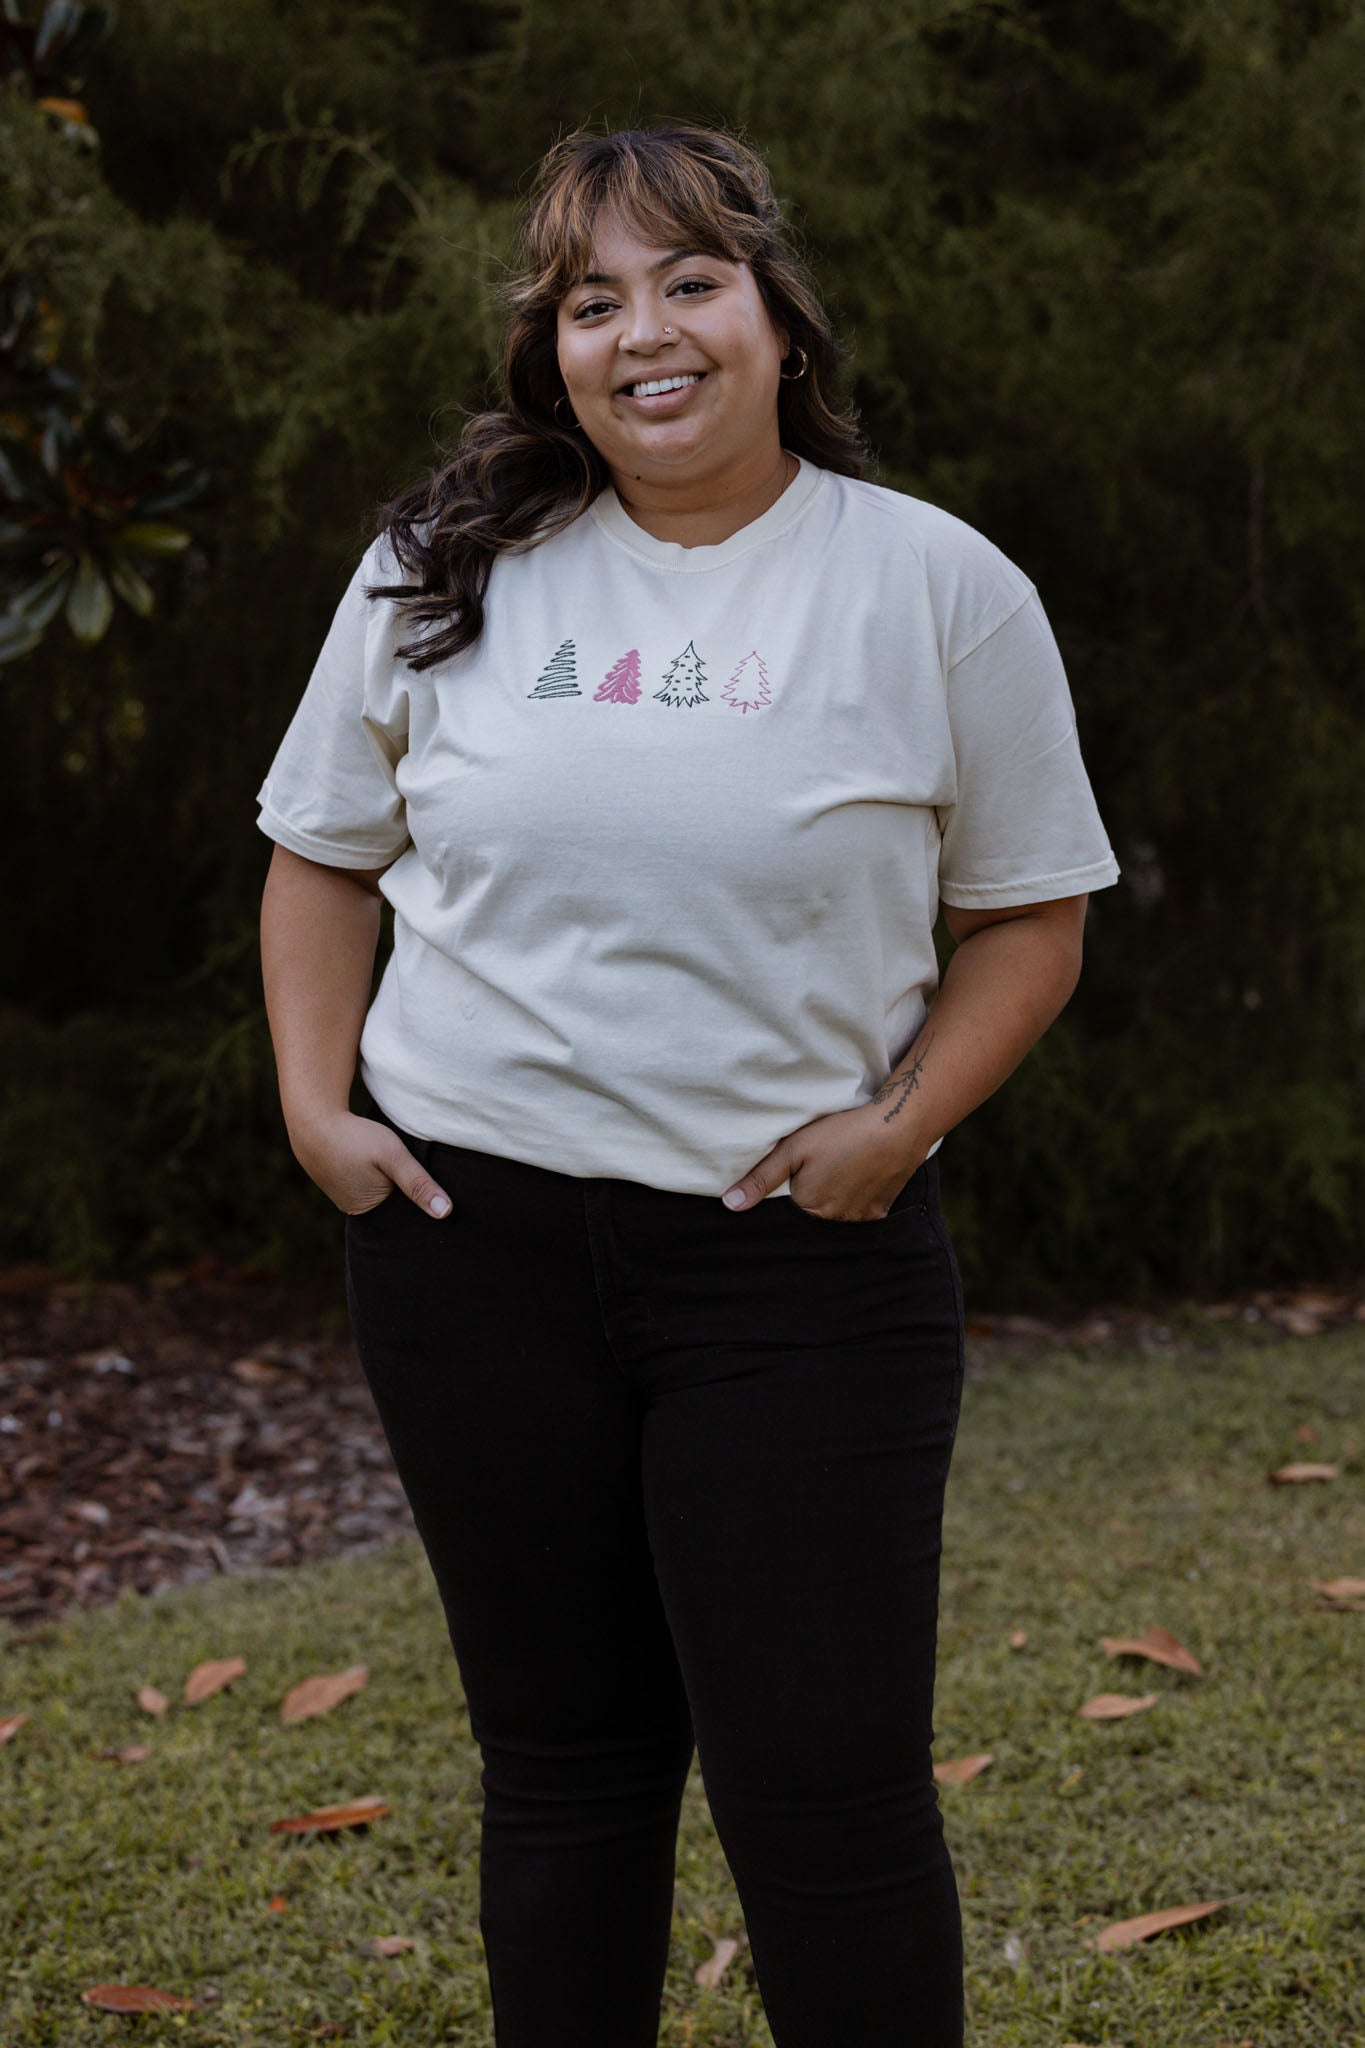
359, 1163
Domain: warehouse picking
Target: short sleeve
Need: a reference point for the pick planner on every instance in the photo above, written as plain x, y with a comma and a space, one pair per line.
331, 792
1024, 826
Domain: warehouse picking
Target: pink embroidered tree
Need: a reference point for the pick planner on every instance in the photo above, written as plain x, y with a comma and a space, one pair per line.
683, 679
751, 692
621, 684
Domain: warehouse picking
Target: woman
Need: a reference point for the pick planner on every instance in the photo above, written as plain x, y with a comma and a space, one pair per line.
645, 1259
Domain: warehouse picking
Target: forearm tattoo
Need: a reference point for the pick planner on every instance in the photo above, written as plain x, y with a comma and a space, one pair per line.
897, 1087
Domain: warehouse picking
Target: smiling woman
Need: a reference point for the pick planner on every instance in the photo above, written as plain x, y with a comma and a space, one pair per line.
705, 729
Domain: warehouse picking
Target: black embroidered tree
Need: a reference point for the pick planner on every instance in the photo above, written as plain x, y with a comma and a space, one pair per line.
749, 691
683, 679
621, 684
558, 680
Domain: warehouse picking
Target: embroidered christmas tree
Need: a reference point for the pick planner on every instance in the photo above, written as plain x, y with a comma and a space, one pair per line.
558, 679
749, 692
621, 684
683, 679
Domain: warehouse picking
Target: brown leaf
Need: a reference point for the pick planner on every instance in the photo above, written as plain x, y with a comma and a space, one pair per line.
131, 1753
1127, 1933
210, 1677
1296, 1322
959, 1770
709, 1973
136, 1998
1159, 1645
1112, 1706
255, 1372
387, 1944
1339, 1589
1295, 1475
324, 1818
1018, 1638
1305, 1433
279, 1904
151, 1701
319, 1695
11, 1725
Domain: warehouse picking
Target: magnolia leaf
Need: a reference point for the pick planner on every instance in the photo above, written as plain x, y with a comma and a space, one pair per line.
1127, 1933
135, 1998
319, 1695
324, 1819
709, 1973
18, 635
1113, 1706
42, 600
211, 1676
1159, 1645
961, 1770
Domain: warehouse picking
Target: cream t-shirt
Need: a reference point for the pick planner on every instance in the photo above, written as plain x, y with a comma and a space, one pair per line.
669, 841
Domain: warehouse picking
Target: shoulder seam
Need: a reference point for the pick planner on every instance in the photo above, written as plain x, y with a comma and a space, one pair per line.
1032, 591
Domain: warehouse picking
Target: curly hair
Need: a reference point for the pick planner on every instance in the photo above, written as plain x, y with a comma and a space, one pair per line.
517, 476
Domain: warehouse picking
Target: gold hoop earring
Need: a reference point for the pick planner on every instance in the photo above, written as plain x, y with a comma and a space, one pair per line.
790, 377
571, 424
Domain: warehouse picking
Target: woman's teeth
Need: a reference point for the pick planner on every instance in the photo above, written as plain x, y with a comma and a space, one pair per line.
653, 390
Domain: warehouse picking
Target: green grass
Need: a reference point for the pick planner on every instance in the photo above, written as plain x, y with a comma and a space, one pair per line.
1090, 1495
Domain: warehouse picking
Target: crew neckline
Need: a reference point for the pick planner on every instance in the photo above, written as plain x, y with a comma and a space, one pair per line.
612, 516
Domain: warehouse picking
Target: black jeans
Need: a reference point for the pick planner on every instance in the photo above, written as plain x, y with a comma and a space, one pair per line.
680, 1476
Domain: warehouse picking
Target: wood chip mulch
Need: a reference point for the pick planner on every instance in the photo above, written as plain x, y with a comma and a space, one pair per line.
208, 1420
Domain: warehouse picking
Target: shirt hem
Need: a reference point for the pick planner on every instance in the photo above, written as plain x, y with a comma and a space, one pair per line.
313, 846
1099, 874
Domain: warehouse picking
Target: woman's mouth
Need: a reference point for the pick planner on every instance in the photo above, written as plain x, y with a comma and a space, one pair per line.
662, 394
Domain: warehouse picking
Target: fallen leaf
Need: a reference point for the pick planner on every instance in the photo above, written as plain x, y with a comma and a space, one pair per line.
1127, 1933
1018, 1638
135, 1998
1296, 1322
279, 1904
324, 1818
11, 1726
210, 1677
255, 1372
319, 1695
1339, 1589
1112, 1706
1295, 1475
151, 1701
1305, 1433
131, 1753
709, 1973
1159, 1645
959, 1770
387, 1944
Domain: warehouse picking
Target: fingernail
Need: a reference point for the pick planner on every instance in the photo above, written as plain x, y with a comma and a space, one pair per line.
733, 1198
438, 1205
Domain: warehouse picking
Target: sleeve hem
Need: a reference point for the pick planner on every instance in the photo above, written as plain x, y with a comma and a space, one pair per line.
327, 852
1098, 874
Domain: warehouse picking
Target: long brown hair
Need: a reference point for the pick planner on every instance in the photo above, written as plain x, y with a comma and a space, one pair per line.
517, 476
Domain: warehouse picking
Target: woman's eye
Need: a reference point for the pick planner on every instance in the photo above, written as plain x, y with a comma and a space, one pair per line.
590, 305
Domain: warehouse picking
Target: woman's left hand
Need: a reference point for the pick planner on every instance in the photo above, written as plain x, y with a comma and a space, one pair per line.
846, 1167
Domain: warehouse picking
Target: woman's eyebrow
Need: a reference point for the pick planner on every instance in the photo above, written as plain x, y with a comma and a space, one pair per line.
673, 256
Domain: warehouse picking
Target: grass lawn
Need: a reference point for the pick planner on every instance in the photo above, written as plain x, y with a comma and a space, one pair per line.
1092, 1494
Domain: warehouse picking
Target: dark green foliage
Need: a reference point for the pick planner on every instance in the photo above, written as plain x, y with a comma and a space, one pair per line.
1102, 268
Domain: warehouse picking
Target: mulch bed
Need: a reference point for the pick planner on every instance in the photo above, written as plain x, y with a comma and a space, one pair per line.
209, 1420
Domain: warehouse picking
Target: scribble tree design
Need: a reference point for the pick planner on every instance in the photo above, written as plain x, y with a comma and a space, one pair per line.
683, 679
558, 679
751, 692
621, 684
